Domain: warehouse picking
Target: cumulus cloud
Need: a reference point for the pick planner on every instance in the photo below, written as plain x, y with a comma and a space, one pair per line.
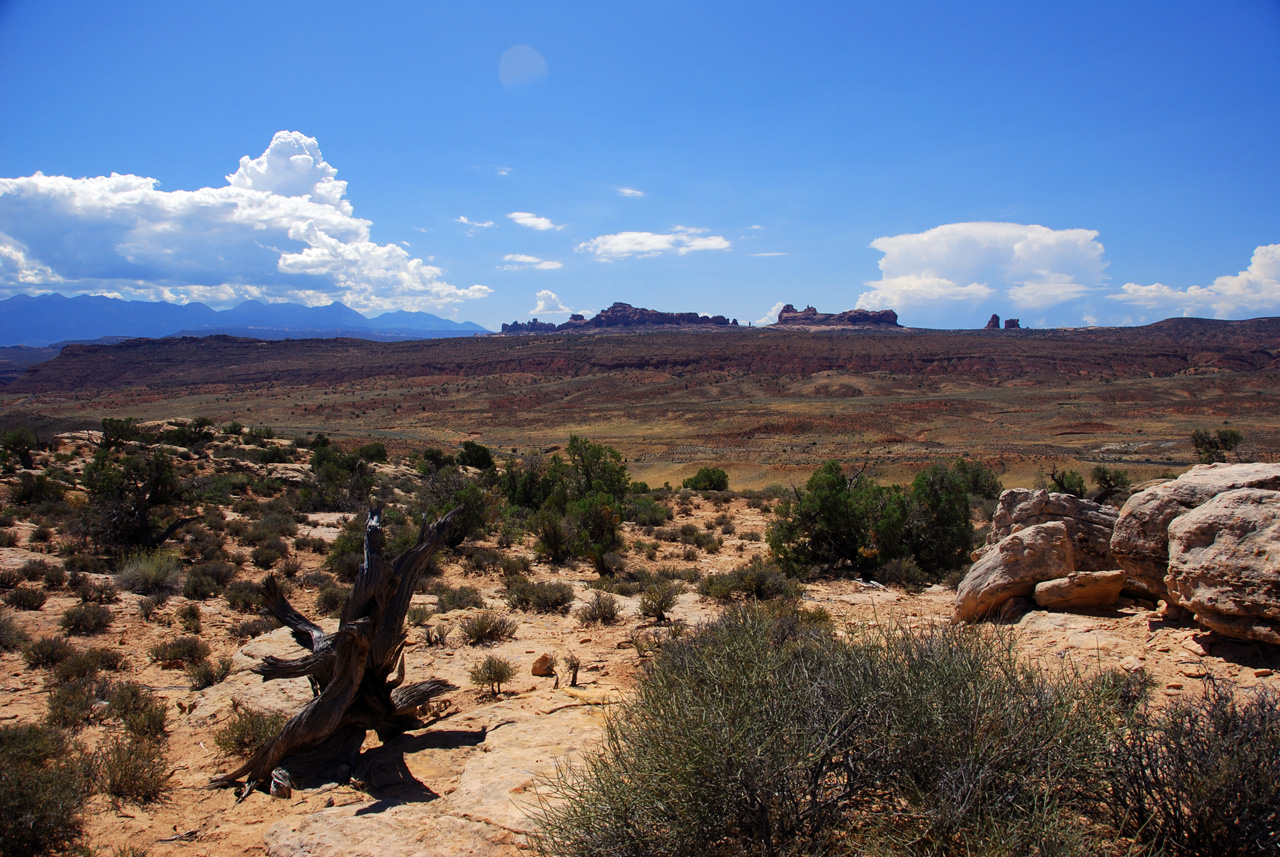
533, 221
772, 315
549, 304
280, 229
473, 225
1033, 266
630, 191
1254, 289
642, 245
521, 262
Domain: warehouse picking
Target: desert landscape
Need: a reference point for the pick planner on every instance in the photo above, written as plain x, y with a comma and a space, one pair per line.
257, 461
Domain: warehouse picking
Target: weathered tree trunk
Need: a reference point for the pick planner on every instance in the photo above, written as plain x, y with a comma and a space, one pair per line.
355, 672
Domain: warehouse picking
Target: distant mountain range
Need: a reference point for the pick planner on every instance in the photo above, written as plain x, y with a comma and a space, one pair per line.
43, 320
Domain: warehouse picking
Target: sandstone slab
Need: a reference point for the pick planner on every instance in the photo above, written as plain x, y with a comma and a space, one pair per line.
1012, 568
1140, 542
1081, 589
1224, 564
1089, 524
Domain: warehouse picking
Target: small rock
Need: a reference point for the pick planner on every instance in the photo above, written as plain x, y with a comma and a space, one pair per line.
1262, 673
542, 666
281, 784
1173, 685
1193, 647
1131, 664
1192, 670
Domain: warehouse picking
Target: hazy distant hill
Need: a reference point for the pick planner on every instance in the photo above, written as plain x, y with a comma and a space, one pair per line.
45, 319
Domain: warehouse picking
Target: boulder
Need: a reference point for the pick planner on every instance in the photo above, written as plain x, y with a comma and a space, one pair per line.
1081, 589
1089, 524
1012, 568
1140, 541
1224, 564
542, 667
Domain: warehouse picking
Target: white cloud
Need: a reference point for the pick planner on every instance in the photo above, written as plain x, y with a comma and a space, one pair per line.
474, 224
279, 229
533, 221
1254, 289
630, 191
549, 304
623, 245
755, 226
521, 262
503, 171
768, 254
1034, 266
772, 315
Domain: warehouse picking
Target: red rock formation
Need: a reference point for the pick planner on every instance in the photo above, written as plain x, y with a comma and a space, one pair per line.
788, 316
993, 323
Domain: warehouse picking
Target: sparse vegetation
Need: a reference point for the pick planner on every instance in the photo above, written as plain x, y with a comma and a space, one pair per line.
44, 785
26, 597
246, 731
541, 597
86, 619
133, 769
180, 650
492, 673
12, 637
602, 609
486, 627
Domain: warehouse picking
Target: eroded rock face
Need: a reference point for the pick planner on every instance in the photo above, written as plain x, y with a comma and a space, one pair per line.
1224, 564
1089, 524
1140, 541
1012, 567
1081, 589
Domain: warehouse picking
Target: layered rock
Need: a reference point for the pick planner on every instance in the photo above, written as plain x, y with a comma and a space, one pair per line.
1140, 542
625, 315
1224, 564
530, 326
1089, 525
1080, 589
1012, 567
993, 323
789, 316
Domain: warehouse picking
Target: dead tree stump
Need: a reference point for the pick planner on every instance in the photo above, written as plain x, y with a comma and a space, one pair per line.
357, 671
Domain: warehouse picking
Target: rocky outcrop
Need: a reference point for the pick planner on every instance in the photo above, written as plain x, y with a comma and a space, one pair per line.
1089, 525
1012, 567
530, 326
1080, 589
1140, 542
993, 323
625, 315
1224, 564
1012, 324
789, 316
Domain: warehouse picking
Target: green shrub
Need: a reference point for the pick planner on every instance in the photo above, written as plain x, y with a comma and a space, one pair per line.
485, 627
85, 665
759, 580
8, 538
86, 620
552, 533
646, 512
12, 637
26, 597
253, 627
658, 599
419, 614
246, 731
205, 674
47, 652
542, 597
133, 769
188, 616
455, 598
180, 650
243, 596
199, 587
762, 735
904, 572
44, 785
1202, 775
70, 704
492, 673
143, 713
708, 479
55, 577
147, 607
602, 609
269, 553
331, 599
98, 592
155, 574
472, 455
34, 569
9, 578
1214, 447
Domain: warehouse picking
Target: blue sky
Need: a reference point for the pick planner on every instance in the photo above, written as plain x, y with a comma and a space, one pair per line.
1066, 163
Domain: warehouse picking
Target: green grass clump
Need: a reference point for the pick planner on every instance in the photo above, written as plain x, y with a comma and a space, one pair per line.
542, 597
188, 616
12, 637
26, 597
486, 627
43, 788
47, 652
246, 731
85, 665
205, 674
658, 599
143, 714
157, 575
602, 609
759, 580
185, 650
86, 620
331, 599
133, 769
456, 598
